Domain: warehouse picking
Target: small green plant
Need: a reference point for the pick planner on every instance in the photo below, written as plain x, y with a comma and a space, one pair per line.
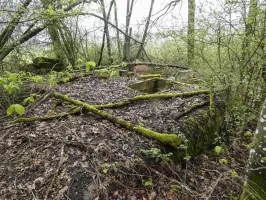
218, 150
234, 174
223, 161
248, 134
147, 183
19, 109
187, 158
37, 79
90, 65
157, 154
176, 188
32, 98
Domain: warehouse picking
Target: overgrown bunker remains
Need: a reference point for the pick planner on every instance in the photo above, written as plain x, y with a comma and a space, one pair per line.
152, 86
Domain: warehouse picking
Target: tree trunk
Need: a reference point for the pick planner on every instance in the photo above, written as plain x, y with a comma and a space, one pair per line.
117, 32
106, 32
29, 33
145, 31
191, 31
256, 182
127, 39
7, 32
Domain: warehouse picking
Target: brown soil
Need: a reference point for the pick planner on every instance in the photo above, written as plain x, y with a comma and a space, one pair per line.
87, 157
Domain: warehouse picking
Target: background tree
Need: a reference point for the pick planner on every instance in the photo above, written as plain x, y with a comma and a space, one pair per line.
191, 31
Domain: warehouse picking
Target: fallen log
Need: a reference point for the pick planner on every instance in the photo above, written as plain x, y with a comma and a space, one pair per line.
169, 139
44, 118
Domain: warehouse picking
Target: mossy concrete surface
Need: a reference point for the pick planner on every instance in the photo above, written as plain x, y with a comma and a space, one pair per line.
151, 86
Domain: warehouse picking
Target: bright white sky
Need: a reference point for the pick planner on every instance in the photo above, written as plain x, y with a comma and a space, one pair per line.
177, 17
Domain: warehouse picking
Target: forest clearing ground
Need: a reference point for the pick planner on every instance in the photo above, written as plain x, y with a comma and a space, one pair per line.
87, 157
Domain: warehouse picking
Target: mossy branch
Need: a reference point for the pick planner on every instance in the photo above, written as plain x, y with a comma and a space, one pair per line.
43, 118
150, 96
169, 139
170, 95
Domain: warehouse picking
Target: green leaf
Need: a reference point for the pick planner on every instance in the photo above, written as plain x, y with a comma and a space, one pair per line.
88, 68
248, 134
234, 174
37, 79
10, 110
123, 64
90, 64
3, 80
114, 74
187, 158
105, 171
218, 149
223, 161
19, 109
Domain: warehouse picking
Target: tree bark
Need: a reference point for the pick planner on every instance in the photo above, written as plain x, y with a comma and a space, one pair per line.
256, 182
146, 30
191, 32
117, 31
7, 32
106, 33
127, 39
29, 33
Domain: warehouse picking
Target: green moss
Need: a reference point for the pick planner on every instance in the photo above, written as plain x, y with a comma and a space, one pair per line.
200, 132
111, 105
170, 139
170, 95
148, 76
44, 118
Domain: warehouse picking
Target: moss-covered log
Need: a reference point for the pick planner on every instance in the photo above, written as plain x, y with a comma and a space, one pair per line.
44, 118
169, 139
148, 76
170, 95
111, 105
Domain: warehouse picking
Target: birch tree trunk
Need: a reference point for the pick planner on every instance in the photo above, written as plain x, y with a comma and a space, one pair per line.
255, 187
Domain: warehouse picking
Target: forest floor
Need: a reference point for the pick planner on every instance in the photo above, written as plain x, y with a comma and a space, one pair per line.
87, 157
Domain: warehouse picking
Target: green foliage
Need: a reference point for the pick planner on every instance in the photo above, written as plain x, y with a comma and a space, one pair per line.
248, 134
148, 183
90, 65
223, 161
234, 174
19, 109
157, 154
218, 150
37, 79
32, 98
176, 188
187, 158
